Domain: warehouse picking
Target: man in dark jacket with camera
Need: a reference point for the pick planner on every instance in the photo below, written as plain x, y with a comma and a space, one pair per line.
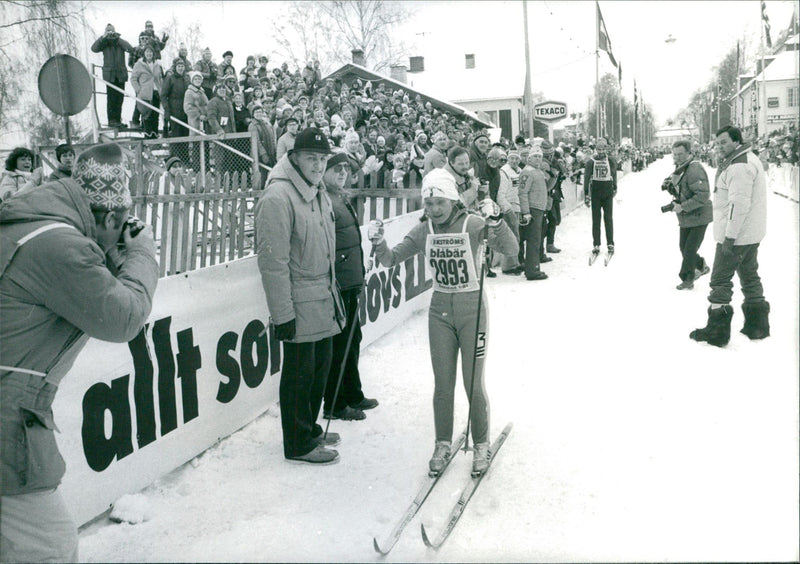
113, 48
688, 185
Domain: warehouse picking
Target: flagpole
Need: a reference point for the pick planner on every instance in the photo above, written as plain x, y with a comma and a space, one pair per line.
528, 93
635, 104
597, 68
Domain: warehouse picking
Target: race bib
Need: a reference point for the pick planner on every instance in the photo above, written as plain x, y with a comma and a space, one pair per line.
448, 257
601, 171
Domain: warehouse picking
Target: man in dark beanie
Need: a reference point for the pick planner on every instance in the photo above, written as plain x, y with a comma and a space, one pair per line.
296, 256
57, 289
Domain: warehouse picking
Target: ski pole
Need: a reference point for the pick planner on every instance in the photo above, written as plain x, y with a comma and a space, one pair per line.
482, 254
344, 362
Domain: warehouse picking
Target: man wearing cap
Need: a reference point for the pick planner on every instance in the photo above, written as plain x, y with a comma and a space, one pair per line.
113, 48
57, 289
286, 141
296, 250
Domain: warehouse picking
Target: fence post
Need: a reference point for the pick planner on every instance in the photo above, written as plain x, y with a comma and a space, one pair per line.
139, 168
255, 178
203, 164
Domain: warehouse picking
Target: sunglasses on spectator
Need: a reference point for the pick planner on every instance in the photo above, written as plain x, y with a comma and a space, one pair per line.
340, 168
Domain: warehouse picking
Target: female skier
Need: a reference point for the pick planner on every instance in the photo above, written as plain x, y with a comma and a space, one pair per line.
452, 240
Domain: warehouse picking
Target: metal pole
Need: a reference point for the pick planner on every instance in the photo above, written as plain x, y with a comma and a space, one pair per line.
482, 254
528, 93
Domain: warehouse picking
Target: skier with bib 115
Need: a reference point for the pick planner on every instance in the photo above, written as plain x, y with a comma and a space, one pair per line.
452, 240
600, 174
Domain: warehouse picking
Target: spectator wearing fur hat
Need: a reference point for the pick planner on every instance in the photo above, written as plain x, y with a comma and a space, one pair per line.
286, 141
57, 290
113, 48
146, 79
206, 67
227, 63
65, 155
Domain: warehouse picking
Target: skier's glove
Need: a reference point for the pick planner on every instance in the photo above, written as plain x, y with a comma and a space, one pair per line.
677, 208
727, 246
375, 231
587, 201
286, 331
490, 211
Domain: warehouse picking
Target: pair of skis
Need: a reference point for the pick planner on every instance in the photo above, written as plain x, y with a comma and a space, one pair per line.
386, 545
594, 254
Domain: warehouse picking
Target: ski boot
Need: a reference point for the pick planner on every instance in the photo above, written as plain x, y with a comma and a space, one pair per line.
756, 320
441, 453
594, 255
480, 459
717, 331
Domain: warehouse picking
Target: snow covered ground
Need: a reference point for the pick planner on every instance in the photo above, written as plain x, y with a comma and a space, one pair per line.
630, 443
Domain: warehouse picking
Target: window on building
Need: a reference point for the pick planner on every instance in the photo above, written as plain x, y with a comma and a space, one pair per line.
792, 96
470, 61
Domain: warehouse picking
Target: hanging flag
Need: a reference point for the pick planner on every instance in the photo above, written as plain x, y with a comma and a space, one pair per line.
619, 68
602, 34
793, 25
635, 98
765, 19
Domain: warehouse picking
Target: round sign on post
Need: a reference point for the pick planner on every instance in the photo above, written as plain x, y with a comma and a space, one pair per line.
65, 87
550, 111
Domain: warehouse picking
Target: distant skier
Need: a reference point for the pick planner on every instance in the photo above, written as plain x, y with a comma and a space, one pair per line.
453, 313
600, 174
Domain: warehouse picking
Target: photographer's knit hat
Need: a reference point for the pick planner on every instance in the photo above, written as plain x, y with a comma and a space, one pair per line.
439, 183
100, 171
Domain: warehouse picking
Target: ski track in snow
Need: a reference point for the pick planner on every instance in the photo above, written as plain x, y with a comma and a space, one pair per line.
630, 443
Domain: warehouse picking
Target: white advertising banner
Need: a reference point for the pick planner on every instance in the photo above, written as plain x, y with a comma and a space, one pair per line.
201, 368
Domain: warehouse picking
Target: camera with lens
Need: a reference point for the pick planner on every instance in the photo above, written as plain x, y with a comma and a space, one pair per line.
669, 186
134, 225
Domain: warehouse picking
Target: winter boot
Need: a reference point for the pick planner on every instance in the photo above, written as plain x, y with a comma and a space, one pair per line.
319, 455
756, 320
717, 331
480, 458
553, 249
441, 453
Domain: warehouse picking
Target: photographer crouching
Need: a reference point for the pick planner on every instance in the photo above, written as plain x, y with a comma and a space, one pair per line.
688, 185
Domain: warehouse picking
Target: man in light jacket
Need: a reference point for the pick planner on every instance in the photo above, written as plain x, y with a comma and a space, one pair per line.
740, 223
57, 290
296, 237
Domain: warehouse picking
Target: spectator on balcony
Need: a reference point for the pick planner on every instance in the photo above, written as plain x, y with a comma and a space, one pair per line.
265, 137
156, 43
286, 141
183, 54
220, 122
173, 93
417, 152
262, 71
19, 173
256, 98
209, 70
146, 80
231, 84
249, 71
113, 48
65, 155
227, 63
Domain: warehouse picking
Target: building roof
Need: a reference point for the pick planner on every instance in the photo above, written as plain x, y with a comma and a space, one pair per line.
783, 67
471, 84
351, 69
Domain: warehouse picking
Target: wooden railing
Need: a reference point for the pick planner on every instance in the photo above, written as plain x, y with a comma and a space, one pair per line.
196, 227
